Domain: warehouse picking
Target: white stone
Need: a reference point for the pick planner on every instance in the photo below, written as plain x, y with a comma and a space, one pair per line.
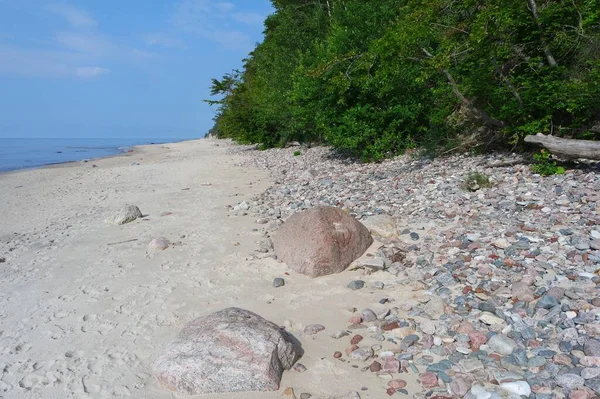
381, 225
520, 388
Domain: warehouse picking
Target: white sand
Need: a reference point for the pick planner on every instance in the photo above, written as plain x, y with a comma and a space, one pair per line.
81, 318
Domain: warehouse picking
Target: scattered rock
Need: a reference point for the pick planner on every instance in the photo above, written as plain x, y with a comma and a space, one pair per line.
158, 244
502, 344
356, 285
313, 329
278, 282
126, 215
349, 395
569, 381
368, 315
519, 388
381, 226
242, 206
363, 354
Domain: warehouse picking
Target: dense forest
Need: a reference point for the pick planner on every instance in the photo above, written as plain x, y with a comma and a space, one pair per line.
376, 77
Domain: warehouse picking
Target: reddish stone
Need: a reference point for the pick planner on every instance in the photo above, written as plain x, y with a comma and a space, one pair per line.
356, 339
465, 328
428, 380
495, 356
397, 384
351, 349
533, 343
355, 320
467, 289
390, 391
337, 355
390, 365
478, 338
581, 393
375, 367
561, 358
391, 326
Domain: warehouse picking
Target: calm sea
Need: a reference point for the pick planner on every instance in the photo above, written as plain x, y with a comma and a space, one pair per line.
31, 153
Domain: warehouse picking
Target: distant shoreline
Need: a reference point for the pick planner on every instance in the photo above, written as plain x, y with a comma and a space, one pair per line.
120, 150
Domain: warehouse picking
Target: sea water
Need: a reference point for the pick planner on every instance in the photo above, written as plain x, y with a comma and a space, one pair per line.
18, 153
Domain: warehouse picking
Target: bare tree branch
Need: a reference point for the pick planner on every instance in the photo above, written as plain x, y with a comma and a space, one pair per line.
545, 47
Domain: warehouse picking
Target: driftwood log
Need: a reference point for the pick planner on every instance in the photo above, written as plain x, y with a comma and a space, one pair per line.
567, 148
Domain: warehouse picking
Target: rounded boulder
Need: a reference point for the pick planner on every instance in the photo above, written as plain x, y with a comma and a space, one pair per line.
321, 241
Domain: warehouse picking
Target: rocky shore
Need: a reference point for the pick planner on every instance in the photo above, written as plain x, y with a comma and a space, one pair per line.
484, 292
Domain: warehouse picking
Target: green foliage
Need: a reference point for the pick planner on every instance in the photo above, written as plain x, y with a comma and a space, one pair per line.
545, 166
297, 153
375, 78
476, 180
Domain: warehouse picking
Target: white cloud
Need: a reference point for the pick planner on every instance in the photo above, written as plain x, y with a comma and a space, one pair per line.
249, 18
96, 45
159, 39
22, 62
76, 17
90, 72
215, 21
79, 53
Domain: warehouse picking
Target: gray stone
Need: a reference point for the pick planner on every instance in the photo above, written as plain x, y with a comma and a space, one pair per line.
278, 282
547, 302
592, 348
588, 373
378, 285
349, 395
356, 285
470, 365
502, 345
374, 263
434, 308
593, 384
368, 315
446, 279
242, 206
363, 354
569, 381
232, 350
313, 329
321, 241
339, 334
126, 215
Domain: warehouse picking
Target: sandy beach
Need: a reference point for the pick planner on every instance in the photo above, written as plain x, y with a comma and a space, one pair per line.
84, 311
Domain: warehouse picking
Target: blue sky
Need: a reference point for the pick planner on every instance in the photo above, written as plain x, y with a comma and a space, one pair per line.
118, 68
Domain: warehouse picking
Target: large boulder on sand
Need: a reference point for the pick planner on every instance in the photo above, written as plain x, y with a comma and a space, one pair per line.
128, 214
232, 350
321, 241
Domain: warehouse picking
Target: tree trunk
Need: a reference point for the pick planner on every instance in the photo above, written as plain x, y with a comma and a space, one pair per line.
545, 47
483, 116
567, 148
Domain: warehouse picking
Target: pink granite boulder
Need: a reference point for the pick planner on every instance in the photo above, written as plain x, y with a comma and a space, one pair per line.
232, 350
321, 241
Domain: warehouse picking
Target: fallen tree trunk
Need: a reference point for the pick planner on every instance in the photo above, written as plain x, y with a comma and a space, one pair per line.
567, 148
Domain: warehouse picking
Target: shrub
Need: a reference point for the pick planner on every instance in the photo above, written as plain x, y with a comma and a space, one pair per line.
545, 166
475, 180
